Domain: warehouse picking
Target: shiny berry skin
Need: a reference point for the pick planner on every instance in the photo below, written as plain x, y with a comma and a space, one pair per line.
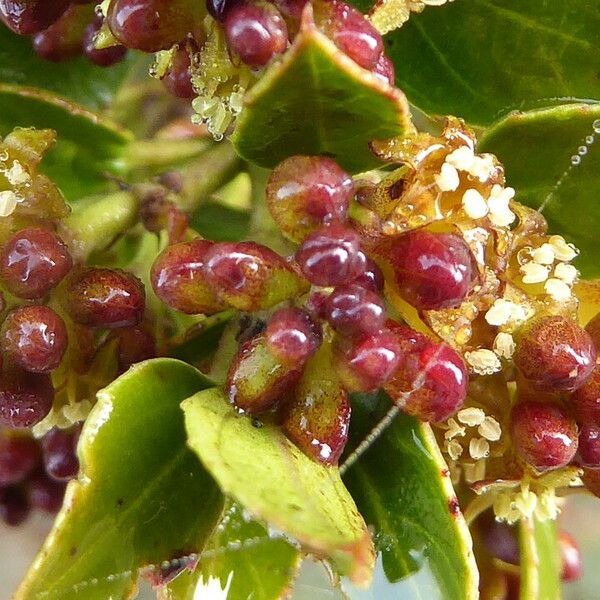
292, 335
14, 507
25, 398
135, 345
365, 363
178, 79
59, 453
152, 25
499, 539
178, 278
217, 9
250, 276
384, 69
352, 310
255, 32
33, 262
19, 455
371, 278
105, 298
27, 17
543, 434
555, 354
331, 256
432, 270
432, 379
570, 558
585, 400
45, 493
591, 480
307, 192
588, 452
34, 337
103, 57
350, 31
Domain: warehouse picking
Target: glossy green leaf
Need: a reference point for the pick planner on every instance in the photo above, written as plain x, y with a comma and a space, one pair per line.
87, 143
318, 101
536, 148
268, 475
245, 558
221, 223
76, 79
540, 560
402, 488
477, 59
142, 496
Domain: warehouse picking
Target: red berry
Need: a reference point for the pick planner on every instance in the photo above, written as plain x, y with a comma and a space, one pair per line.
589, 446
18, 457
555, 354
217, 9
593, 328
293, 336
14, 507
255, 32
105, 298
25, 398
331, 256
570, 558
385, 69
371, 278
59, 452
586, 399
499, 539
135, 345
178, 278
45, 493
33, 261
104, 57
366, 363
178, 79
352, 310
432, 270
250, 276
153, 25
30, 16
34, 337
591, 480
307, 192
543, 434
432, 379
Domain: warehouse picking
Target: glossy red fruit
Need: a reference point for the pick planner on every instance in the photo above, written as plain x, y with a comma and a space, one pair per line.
178, 278
178, 79
317, 417
217, 9
14, 507
104, 57
25, 398
585, 401
555, 354
34, 261
570, 558
256, 32
153, 25
499, 539
59, 452
365, 363
331, 256
30, 16
588, 453
19, 455
432, 270
34, 337
250, 276
350, 31
591, 480
371, 278
257, 381
432, 379
105, 298
385, 69
45, 493
293, 336
543, 434
135, 345
307, 192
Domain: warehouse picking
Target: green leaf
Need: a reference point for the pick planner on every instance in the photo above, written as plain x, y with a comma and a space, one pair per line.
141, 498
221, 223
536, 148
77, 79
318, 101
268, 475
480, 58
540, 560
245, 558
87, 143
402, 488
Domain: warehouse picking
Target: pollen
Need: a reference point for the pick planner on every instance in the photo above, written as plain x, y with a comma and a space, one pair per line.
17, 175
504, 345
483, 361
454, 430
503, 312
557, 288
544, 255
8, 203
565, 272
471, 416
479, 448
447, 180
462, 158
534, 273
474, 204
490, 429
454, 449
563, 251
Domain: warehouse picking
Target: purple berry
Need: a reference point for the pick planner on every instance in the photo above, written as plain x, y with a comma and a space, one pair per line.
292, 335
19, 455
25, 398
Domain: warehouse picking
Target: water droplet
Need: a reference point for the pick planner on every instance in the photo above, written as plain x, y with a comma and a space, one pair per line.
575, 160
596, 125
582, 150
589, 139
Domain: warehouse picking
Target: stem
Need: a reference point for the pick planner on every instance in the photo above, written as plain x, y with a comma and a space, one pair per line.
96, 222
